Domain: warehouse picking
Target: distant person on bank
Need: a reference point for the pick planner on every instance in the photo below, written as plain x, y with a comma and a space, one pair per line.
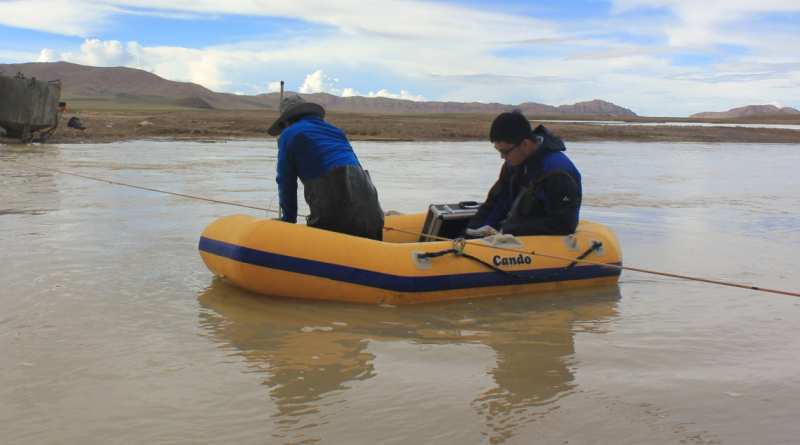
539, 189
339, 193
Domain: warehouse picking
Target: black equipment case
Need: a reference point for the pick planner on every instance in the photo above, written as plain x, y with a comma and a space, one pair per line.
447, 220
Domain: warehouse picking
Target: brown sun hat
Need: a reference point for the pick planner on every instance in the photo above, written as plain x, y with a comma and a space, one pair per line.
294, 106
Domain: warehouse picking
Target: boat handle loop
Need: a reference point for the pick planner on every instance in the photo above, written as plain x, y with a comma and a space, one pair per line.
458, 246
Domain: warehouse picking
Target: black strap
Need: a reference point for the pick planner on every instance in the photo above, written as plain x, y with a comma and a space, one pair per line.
457, 252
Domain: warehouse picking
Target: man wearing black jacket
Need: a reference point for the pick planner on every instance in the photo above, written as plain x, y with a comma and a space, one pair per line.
539, 189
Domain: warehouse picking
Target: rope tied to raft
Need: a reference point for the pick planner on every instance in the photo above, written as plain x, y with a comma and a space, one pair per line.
460, 243
632, 269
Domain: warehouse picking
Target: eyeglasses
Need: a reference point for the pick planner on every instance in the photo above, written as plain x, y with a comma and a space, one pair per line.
509, 150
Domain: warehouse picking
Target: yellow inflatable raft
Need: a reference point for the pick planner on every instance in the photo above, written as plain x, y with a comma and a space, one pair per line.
275, 258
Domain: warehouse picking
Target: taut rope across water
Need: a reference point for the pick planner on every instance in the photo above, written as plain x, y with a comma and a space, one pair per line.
632, 269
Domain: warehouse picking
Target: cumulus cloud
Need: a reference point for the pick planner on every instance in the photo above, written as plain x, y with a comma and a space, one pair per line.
202, 67
48, 55
319, 82
95, 52
98, 53
172, 63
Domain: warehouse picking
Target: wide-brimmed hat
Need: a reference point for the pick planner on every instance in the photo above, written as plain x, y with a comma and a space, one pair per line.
291, 107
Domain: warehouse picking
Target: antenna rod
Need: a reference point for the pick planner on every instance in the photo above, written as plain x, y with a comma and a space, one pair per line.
280, 209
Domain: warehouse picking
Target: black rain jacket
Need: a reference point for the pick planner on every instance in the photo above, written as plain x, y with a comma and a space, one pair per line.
541, 196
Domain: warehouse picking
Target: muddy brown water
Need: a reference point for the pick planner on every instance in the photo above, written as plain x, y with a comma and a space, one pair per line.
113, 331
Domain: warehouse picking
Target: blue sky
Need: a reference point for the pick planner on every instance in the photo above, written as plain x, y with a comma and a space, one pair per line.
656, 57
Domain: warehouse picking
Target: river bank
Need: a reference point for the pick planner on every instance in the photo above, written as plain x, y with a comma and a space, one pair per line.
116, 126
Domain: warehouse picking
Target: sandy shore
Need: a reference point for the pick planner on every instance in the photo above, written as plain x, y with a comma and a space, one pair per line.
115, 126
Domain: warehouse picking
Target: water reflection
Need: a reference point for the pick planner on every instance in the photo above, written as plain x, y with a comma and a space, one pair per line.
502, 362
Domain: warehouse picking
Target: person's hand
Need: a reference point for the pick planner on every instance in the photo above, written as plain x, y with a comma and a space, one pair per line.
483, 231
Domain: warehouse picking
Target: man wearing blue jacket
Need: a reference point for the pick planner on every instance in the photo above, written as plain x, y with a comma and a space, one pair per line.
539, 189
339, 193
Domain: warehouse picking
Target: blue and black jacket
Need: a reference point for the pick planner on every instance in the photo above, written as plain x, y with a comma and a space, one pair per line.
307, 150
540, 196
339, 193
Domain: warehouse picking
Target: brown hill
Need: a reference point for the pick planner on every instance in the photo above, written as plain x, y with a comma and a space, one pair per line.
128, 88
362, 104
745, 111
125, 87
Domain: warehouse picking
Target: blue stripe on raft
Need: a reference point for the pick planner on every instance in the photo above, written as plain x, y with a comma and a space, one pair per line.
391, 282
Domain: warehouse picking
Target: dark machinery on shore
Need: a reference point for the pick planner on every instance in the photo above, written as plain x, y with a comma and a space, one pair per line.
28, 106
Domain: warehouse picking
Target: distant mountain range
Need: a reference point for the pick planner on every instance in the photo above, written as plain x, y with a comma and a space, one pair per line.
128, 85
746, 111
120, 87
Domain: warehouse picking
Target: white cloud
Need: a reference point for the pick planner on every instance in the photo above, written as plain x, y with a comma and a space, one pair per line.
403, 95
349, 92
72, 18
48, 55
645, 54
172, 63
708, 22
97, 53
367, 19
319, 82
